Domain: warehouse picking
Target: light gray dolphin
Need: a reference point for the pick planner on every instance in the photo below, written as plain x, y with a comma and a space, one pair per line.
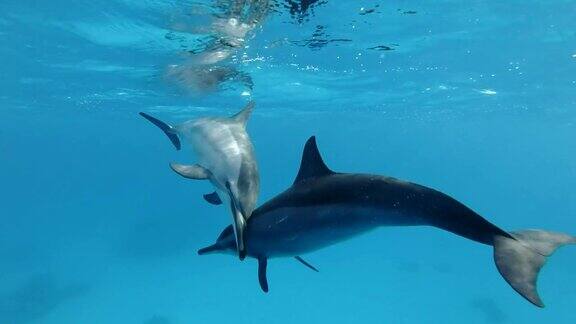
324, 207
225, 157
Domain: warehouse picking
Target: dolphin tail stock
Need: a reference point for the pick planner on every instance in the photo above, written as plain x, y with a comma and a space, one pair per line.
167, 129
520, 258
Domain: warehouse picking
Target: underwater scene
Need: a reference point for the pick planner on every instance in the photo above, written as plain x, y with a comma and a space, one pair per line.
287, 161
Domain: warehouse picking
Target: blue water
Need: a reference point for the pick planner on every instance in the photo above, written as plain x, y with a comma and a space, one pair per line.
476, 99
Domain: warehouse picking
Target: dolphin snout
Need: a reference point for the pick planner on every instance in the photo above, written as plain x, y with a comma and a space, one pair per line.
209, 249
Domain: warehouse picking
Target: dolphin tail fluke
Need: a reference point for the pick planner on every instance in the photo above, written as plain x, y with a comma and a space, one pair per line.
519, 259
167, 129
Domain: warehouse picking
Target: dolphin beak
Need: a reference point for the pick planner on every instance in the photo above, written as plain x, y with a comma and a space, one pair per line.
239, 222
209, 249
239, 231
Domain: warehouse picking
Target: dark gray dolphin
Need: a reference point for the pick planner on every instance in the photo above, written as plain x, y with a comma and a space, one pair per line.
324, 207
225, 157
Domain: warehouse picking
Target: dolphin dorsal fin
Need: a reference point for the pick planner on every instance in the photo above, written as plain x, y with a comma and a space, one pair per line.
244, 114
312, 165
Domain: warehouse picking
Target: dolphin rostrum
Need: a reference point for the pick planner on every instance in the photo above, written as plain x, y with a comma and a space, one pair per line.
324, 207
225, 157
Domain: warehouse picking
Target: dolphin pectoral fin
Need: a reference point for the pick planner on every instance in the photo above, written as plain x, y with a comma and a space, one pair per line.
262, 264
306, 263
239, 223
195, 171
167, 129
213, 198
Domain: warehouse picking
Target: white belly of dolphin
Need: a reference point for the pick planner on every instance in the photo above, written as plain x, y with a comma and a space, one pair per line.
293, 231
217, 149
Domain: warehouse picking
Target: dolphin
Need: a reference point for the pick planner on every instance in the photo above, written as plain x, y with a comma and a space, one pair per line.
324, 207
225, 157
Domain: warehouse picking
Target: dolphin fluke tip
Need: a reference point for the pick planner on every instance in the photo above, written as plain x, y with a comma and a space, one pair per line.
167, 129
